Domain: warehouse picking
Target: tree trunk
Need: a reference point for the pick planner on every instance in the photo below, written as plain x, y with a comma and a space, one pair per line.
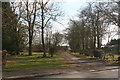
51, 54
30, 43
94, 43
98, 38
98, 42
98, 28
17, 42
91, 41
83, 43
44, 52
49, 44
30, 47
17, 48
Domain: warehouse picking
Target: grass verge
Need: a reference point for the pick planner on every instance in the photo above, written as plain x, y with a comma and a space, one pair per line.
24, 62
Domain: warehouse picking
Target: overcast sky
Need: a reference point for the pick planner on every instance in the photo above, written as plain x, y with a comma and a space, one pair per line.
70, 10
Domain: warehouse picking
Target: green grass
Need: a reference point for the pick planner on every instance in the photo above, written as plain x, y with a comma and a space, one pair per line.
110, 59
76, 54
33, 62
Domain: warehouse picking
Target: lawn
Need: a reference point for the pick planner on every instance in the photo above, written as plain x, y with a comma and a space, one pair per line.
24, 62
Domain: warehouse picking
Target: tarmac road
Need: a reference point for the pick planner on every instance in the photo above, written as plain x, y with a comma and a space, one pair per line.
76, 75
92, 74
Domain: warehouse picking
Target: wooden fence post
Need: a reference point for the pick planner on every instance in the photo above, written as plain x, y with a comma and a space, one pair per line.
4, 52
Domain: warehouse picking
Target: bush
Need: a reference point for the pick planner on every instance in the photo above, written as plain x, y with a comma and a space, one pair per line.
52, 51
12, 53
98, 53
90, 53
119, 59
87, 52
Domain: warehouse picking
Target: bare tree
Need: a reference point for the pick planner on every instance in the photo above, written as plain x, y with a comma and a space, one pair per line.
87, 32
118, 13
48, 12
111, 11
29, 16
57, 39
48, 37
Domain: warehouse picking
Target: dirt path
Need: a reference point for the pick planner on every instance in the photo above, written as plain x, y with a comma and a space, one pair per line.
67, 55
79, 61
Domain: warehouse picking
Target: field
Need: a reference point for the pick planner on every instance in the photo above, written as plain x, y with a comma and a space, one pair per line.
24, 62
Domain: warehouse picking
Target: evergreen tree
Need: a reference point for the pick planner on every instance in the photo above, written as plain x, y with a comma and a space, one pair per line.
8, 28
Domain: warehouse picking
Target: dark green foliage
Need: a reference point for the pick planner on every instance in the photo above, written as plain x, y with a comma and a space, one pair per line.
119, 59
8, 27
98, 53
74, 37
13, 33
86, 52
114, 42
12, 53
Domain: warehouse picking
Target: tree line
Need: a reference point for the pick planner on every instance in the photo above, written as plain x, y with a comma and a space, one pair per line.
23, 21
20, 20
88, 31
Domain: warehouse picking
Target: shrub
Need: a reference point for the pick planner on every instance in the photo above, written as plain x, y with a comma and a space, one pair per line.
119, 59
52, 51
98, 53
12, 53
87, 53
90, 53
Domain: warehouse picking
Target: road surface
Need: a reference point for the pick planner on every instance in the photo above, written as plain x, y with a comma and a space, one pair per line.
91, 74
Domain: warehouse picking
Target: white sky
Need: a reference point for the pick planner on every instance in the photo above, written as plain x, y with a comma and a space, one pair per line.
70, 10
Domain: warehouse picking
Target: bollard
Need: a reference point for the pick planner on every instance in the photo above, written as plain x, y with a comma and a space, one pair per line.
4, 52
